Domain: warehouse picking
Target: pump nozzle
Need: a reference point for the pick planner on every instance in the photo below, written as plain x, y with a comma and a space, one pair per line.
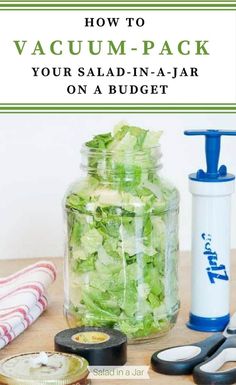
212, 151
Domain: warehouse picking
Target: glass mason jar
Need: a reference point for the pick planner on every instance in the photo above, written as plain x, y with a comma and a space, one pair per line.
122, 244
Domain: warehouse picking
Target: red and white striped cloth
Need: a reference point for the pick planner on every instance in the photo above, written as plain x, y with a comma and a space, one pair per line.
23, 298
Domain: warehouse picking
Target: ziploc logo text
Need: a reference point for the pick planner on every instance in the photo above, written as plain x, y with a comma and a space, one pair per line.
215, 270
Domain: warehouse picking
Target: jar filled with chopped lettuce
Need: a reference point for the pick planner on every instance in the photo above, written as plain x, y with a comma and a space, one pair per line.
122, 237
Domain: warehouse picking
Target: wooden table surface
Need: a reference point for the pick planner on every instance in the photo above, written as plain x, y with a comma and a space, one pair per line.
40, 335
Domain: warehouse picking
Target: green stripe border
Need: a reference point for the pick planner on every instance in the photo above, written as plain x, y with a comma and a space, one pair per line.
127, 7
118, 4
118, 1
117, 108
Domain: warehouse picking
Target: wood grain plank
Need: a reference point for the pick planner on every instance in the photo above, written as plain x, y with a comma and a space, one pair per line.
39, 337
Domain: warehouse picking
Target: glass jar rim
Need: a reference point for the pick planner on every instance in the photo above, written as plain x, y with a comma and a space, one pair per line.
120, 163
86, 149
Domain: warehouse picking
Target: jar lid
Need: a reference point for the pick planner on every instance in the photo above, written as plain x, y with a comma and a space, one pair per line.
39, 368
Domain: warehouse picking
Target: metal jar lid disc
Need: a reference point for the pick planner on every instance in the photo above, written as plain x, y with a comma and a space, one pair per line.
60, 369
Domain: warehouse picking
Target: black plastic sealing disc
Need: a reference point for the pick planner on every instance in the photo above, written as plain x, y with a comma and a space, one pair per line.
99, 346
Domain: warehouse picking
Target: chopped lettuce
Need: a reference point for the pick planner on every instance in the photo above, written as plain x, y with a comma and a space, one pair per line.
122, 237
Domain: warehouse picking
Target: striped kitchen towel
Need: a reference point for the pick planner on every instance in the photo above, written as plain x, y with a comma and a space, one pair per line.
23, 298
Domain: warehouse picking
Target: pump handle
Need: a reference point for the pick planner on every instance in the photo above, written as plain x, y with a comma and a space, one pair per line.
212, 150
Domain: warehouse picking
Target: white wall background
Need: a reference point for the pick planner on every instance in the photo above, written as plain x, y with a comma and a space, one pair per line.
40, 156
